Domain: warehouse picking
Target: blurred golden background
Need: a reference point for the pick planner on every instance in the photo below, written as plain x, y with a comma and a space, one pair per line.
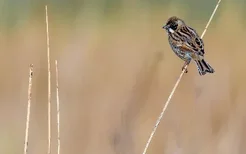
116, 71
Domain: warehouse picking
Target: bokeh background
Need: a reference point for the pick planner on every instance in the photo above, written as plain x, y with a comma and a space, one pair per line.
116, 71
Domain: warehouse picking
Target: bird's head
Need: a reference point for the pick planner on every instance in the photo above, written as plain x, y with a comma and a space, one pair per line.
173, 24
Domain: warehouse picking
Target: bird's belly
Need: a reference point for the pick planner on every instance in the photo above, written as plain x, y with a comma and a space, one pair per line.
181, 54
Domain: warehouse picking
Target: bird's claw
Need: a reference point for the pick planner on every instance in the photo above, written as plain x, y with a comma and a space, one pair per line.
186, 70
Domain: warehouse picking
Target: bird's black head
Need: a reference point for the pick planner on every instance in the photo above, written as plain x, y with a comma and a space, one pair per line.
173, 24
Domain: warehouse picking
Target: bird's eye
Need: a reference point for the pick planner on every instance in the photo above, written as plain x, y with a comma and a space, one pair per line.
174, 26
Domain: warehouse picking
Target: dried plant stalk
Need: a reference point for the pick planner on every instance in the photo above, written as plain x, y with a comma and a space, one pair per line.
49, 82
58, 110
28, 108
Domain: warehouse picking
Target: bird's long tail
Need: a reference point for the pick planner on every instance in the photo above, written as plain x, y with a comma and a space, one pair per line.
203, 67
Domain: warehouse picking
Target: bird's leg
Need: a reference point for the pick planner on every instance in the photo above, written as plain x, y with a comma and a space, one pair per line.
187, 62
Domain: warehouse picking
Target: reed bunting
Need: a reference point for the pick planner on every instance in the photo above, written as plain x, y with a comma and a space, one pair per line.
187, 44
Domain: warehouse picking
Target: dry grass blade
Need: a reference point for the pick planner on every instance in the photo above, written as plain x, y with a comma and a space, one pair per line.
175, 87
49, 82
210, 19
28, 108
58, 110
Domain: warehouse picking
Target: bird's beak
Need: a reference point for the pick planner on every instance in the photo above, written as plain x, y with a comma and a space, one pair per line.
165, 27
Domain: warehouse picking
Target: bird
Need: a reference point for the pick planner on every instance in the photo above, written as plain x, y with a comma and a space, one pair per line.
186, 44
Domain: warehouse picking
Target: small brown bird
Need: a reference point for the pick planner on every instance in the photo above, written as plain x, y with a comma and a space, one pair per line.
187, 44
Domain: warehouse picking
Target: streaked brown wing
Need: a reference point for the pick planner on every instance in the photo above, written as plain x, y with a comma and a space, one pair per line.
197, 41
192, 41
186, 47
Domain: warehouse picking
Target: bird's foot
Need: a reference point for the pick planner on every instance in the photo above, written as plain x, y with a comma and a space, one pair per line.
185, 66
186, 70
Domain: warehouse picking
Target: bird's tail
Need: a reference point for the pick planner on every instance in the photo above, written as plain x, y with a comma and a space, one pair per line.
203, 67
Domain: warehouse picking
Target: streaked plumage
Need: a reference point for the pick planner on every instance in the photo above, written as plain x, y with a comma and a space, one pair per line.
187, 44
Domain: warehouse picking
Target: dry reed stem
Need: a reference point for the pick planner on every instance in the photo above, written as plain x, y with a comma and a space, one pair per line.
175, 86
58, 110
49, 82
28, 108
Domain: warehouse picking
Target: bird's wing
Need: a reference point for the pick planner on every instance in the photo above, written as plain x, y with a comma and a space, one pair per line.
184, 47
191, 41
196, 41
188, 46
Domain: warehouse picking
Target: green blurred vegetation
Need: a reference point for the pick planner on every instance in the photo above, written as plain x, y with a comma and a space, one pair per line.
16, 12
